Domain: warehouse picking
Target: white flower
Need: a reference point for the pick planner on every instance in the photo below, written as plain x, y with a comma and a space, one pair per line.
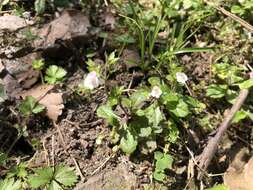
91, 81
156, 92
181, 77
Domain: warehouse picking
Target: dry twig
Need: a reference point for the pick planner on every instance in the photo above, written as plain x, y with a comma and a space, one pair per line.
206, 156
66, 151
242, 22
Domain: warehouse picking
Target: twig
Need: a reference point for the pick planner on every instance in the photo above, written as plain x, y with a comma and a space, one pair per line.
46, 153
65, 150
102, 165
53, 160
206, 156
245, 24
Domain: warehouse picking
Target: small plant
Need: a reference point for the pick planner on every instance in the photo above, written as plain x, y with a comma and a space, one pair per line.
53, 178
40, 6
163, 161
142, 115
30, 106
10, 184
230, 82
55, 74
38, 64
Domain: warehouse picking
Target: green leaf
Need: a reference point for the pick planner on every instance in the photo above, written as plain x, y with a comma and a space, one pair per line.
236, 9
54, 74
38, 108
194, 104
139, 97
18, 171
158, 155
164, 163
42, 177
38, 64
154, 81
3, 158
154, 115
250, 115
29, 106
246, 84
173, 132
139, 124
180, 108
106, 112
112, 59
65, 175
128, 143
239, 115
228, 72
40, 6
54, 186
159, 175
216, 91
10, 184
125, 38
169, 97
218, 187
145, 131
231, 96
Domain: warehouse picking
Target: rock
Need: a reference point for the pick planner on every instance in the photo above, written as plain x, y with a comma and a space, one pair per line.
70, 28
11, 23
131, 58
240, 173
20, 74
118, 179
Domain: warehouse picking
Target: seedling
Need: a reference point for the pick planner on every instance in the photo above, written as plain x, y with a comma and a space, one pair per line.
30, 106
60, 177
55, 74
163, 162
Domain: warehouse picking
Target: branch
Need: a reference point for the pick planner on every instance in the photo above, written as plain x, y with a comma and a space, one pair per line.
206, 156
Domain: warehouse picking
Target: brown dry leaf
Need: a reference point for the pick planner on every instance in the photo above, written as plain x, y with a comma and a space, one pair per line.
52, 101
11, 23
54, 105
37, 92
238, 177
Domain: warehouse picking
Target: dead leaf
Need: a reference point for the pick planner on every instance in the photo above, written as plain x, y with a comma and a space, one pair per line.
239, 176
54, 105
37, 92
52, 101
11, 23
